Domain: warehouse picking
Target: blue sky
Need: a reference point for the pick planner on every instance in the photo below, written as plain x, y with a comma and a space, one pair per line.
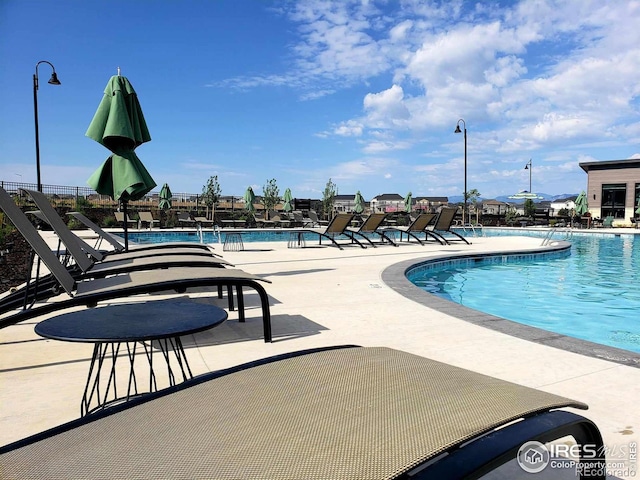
367, 93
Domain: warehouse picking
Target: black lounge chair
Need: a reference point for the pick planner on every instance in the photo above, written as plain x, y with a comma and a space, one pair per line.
419, 226
185, 220
102, 265
203, 221
120, 219
337, 227
442, 226
90, 292
346, 413
118, 246
147, 217
371, 226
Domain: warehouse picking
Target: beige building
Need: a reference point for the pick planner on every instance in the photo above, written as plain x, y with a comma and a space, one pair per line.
613, 188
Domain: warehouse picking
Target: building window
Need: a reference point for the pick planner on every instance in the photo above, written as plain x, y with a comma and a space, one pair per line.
636, 206
613, 200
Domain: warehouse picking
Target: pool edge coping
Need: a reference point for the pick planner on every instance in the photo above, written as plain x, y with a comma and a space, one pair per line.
394, 276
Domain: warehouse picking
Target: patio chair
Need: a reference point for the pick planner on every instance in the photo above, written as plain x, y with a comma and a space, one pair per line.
91, 291
147, 217
371, 226
280, 219
101, 266
118, 246
419, 419
120, 219
185, 220
299, 220
261, 220
203, 221
313, 216
337, 227
418, 226
84, 267
443, 223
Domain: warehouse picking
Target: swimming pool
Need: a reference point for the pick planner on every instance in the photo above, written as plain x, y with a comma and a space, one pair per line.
588, 294
209, 236
592, 294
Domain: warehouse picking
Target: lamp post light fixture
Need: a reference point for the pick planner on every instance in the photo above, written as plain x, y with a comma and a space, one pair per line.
53, 81
457, 130
529, 166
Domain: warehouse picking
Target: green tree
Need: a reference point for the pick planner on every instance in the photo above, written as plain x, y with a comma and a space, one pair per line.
529, 208
270, 195
328, 198
472, 196
510, 216
211, 195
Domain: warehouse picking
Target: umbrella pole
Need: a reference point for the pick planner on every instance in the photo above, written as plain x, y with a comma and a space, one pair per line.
126, 233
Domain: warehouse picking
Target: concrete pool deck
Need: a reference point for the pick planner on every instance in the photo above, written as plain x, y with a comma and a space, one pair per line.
323, 296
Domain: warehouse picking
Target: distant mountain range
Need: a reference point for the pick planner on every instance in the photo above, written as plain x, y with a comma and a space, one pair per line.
505, 198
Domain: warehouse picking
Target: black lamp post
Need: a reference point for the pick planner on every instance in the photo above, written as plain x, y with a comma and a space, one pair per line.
457, 130
53, 81
529, 166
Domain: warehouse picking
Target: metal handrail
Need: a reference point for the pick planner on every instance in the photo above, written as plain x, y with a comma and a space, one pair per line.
549, 236
473, 229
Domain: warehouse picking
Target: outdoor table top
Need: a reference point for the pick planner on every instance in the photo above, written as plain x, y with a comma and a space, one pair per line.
132, 322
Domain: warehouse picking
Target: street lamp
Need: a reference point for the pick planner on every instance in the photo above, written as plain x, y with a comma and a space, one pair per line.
53, 81
529, 166
457, 130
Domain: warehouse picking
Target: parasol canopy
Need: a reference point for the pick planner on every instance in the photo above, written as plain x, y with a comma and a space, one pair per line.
524, 195
359, 203
287, 199
407, 202
119, 125
582, 206
165, 197
249, 197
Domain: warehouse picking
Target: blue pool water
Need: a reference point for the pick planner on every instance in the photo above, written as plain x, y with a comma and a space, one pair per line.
211, 237
592, 294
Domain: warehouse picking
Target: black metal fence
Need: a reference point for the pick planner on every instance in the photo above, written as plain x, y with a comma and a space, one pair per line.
66, 196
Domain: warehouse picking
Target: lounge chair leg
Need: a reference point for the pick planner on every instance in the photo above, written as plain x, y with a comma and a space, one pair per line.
240, 303
230, 295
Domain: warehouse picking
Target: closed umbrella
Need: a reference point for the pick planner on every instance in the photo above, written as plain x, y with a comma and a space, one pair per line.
249, 197
287, 199
165, 197
119, 125
582, 206
359, 203
407, 203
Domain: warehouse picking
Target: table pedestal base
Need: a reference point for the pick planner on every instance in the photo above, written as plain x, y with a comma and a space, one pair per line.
104, 390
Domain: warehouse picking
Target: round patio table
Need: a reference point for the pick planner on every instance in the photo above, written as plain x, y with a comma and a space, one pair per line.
118, 331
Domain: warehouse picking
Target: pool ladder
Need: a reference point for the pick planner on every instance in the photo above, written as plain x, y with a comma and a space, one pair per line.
215, 231
474, 233
548, 238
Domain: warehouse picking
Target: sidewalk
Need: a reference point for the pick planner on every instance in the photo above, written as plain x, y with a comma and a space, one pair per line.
323, 296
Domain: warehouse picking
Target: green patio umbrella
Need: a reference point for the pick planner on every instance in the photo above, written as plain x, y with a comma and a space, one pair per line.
287, 199
165, 197
407, 203
359, 203
119, 125
582, 206
249, 197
